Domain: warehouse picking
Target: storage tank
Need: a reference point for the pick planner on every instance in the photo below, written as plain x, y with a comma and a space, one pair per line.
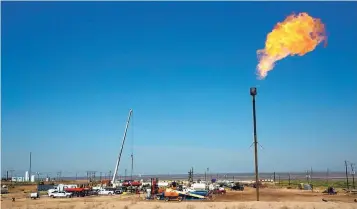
32, 178
60, 187
27, 176
198, 186
163, 184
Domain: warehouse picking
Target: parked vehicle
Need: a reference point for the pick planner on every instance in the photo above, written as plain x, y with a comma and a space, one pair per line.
219, 191
93, 192
60, 194
330, 191
79, 192
118, 191
238, 187
4, 189
35, 195
105, 192
127, 183
50, 191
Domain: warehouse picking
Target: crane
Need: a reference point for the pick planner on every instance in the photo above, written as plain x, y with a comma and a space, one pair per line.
122, 145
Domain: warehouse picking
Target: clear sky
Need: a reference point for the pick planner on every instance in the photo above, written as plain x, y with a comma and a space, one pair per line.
71, 72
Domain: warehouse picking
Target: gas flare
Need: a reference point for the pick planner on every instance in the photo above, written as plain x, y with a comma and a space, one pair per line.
296, 35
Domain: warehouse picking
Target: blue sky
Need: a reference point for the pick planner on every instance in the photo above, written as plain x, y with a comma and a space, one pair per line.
71, 71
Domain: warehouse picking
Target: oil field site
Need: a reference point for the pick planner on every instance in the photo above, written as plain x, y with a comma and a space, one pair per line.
273, 190
235, 105
180, 194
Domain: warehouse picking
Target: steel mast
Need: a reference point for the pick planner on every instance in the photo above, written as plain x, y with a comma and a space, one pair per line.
122, 145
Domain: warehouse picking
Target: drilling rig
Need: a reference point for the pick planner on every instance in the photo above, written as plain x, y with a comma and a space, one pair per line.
121, 149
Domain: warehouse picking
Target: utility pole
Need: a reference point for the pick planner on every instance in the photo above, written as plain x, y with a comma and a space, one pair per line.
209, 175
307, 176
274, 177
311, 175
132, 167
353, 175
207, 170
253, 93
289, 179
327, 175
206, 177
11, 173
125, 174
59, 173
30, 168
348, 187
38, 176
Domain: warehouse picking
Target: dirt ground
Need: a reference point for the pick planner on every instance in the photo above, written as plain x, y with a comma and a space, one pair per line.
269, 199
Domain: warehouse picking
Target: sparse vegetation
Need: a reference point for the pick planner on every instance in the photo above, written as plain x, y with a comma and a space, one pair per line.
316, 183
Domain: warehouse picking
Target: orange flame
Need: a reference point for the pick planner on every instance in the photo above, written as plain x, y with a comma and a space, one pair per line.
297, 35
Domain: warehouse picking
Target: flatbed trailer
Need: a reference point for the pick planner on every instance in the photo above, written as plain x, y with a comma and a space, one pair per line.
179, 196
79, 192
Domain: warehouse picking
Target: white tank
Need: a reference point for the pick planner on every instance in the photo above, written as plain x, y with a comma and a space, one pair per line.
60, 187
148, 193
163, 184
198, 186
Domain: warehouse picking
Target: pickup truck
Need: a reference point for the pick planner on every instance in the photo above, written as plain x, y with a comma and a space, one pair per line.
60, 194
118, 191
105, 192
238, 187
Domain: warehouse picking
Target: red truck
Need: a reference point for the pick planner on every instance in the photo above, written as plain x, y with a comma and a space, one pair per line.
219, 191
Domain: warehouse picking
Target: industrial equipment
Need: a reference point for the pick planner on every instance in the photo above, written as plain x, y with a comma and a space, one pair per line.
121, 149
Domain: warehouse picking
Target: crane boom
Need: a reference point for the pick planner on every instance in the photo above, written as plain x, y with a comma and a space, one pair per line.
122, 145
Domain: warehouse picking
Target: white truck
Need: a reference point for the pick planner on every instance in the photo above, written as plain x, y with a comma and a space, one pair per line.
34, 195
4, 189
105, 192
60, 194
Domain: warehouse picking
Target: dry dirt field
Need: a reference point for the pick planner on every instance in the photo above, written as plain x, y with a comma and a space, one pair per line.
270, 199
